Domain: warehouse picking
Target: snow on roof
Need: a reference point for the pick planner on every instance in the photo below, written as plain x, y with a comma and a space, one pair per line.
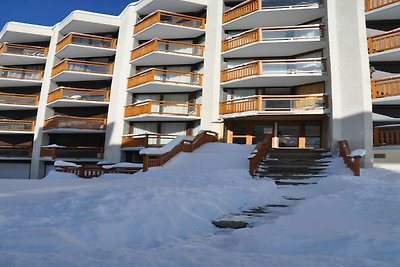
60, 163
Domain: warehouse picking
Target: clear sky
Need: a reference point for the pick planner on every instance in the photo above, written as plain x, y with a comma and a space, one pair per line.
49, 12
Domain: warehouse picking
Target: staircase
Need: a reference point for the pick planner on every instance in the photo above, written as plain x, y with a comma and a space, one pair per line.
294, 166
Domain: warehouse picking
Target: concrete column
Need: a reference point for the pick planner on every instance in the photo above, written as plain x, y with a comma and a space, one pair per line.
351, 117
118, 97
37, 167
212, 65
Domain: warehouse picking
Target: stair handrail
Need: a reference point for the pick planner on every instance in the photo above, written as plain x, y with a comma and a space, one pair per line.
352, 162
184, 146
259, 153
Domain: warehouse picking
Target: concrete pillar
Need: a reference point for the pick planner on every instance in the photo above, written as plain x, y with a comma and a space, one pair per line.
118, 97
351, 116
212, 63
37, 166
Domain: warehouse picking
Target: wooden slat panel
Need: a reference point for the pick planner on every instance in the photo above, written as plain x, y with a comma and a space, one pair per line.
383, 42
375, 4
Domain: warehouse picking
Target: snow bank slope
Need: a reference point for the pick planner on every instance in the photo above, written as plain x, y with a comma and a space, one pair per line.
105, 222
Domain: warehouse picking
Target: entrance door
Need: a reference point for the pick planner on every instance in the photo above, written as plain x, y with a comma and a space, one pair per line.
289, 135
260, 131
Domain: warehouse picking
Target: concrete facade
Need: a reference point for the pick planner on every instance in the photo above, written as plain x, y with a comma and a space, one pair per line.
172, 88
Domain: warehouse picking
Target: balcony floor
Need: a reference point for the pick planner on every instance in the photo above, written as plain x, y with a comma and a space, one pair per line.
72, 131
10, 82
275, 113
84, 51
389, 100
166, 58
15, 158
161, 117
160, 87
275, 17
74, 76
168, 31
49, 159
17, 107
13, 59
61, 103
275, 81
390, 12
16, 132
275, 48
389, 55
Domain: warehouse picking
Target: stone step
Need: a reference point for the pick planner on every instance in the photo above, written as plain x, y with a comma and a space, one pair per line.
291, 177
292, 163
291, 167
294, 183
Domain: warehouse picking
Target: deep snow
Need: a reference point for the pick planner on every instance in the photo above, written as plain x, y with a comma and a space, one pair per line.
163, 217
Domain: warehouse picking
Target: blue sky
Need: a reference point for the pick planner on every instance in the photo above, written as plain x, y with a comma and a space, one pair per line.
49, 12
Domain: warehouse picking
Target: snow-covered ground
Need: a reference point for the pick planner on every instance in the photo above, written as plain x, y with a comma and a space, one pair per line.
163, 217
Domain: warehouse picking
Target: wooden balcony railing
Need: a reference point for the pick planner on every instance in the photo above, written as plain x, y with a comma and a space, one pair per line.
165, 76
87, 40
21, 74
387, 136
17, 125
79, 94
185, 146
19, 99
15, 152
375, 4
146, 140
89, 172
83, 66
23, 50
69, 122
302, 32
72, 152
272, 67
385, 87
274, 103
167, 46
383, 42
170, 18
162, 108
251, 6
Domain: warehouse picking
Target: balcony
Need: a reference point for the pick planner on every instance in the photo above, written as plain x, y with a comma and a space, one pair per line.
275, 73
68, 124
152, 110
386, 91
274, 105
259, 13
12, 77
382, 9
387, 136
77, 45
17, 54
17, 127
385, 47
275, 41
70, 70
18, 101
15, 153
132, 142
78, 97
53, 152
163, 52
168, 25
164, 81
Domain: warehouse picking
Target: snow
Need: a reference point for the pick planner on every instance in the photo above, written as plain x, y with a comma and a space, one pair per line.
53, 146
163, 217
123, 165
358, 153
166, 148
60, 163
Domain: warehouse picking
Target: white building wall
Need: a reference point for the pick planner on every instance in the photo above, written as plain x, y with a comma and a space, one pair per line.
351, 116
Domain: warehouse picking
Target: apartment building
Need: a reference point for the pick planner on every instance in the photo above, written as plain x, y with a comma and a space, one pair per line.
383, 25
107, 86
